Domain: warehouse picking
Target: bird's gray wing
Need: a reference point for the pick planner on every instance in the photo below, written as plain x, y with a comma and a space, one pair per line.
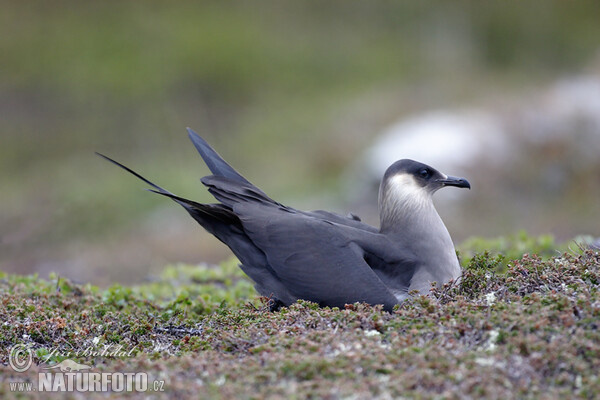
349, 220
230, 191
230, 177
314, 259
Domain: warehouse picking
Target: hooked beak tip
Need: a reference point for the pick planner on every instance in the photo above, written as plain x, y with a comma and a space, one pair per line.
457, 182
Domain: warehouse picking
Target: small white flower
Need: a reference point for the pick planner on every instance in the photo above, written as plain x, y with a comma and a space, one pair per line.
26, 336
490, 298
96, 340
220, 380
491, 344
485, 362
343, 348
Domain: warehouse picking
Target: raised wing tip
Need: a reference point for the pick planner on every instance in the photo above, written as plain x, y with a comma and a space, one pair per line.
196, 140
191, 132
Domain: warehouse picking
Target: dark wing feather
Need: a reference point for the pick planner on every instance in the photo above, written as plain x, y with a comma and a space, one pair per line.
220, 221
315, 259
230, 192
217, 165
350, 220
226, 179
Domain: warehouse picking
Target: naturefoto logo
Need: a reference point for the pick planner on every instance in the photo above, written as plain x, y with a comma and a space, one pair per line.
71, 376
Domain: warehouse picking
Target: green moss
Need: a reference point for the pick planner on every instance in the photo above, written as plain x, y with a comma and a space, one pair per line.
511, 247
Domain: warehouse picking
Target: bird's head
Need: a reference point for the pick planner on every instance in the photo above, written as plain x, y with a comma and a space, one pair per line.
413, 175
408, 184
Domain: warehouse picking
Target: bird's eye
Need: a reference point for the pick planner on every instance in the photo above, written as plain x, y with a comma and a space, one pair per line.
424, 173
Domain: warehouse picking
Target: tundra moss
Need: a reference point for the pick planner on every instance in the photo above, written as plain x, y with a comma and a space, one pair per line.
512, 327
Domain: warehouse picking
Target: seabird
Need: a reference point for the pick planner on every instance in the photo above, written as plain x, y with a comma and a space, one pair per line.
324, 257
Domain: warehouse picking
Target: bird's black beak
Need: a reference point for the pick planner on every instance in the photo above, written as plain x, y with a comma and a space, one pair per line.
454, 181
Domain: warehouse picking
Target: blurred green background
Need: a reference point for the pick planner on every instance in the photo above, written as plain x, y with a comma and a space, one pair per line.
289, 92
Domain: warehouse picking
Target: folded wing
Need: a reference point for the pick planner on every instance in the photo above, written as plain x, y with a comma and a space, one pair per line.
314, 259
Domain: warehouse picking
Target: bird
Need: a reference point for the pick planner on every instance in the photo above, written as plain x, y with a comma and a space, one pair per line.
324, 257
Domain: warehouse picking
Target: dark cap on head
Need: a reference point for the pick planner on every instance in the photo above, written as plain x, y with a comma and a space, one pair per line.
424, 175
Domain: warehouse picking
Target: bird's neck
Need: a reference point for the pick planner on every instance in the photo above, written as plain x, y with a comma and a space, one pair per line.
403, 205
414, 222
418, 219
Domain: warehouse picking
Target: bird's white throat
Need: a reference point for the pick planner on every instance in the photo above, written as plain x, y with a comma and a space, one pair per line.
402, 198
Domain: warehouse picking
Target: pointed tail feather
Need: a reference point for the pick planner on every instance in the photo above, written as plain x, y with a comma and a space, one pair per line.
155, 186
213, 217
201, 211
213, 160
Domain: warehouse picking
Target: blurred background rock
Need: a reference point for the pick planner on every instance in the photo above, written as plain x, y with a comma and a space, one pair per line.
309, 100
